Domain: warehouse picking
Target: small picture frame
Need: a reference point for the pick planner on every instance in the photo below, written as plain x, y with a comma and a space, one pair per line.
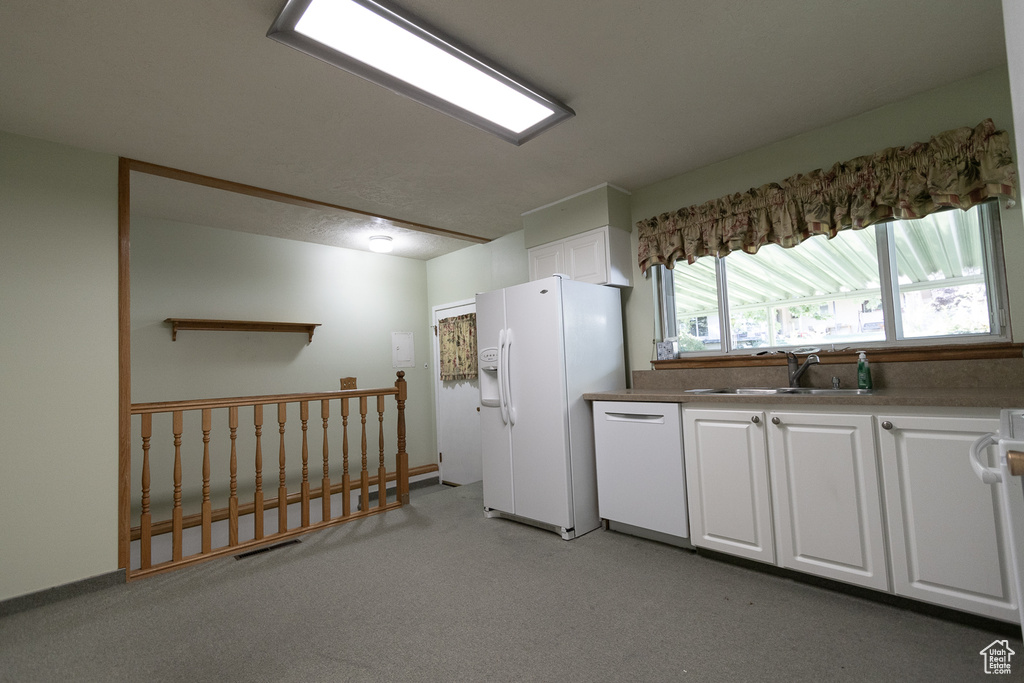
666, 350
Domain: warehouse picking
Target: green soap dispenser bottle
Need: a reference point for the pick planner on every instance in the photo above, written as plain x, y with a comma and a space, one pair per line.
863, 372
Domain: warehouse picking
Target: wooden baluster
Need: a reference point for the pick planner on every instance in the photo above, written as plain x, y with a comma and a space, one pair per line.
282, 488
364, 475
257, 513
325, 483
176, 428
304, 417
146, 520
207, 508
382, 474
233, 498
402, 457
346, 482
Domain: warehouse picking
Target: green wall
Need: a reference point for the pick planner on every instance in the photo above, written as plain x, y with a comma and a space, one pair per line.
359, 298
594, 208
58, 303
915, 119
463, 274
58, 364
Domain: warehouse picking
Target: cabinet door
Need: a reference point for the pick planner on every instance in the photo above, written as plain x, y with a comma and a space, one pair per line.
825, 494
727, 482
546, 260
586, 257
947, 539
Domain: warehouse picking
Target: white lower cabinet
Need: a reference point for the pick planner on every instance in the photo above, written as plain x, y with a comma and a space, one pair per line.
826, 498
727, 482
948, 544
885, 500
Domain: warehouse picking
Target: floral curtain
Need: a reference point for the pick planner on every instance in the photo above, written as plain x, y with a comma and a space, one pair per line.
958, 168
458, 347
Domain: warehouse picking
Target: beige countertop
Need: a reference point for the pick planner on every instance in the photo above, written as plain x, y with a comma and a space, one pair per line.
955, 397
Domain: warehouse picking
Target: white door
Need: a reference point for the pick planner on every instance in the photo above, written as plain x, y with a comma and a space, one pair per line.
495, 432
947, 536
538, 409
586, 257
458, 413
828, 507
546, 260
727, 482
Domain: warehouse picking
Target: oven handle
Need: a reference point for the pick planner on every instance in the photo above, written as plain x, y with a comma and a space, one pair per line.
988, 475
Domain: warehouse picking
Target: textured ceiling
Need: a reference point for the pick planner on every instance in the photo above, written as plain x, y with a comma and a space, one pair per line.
660, 87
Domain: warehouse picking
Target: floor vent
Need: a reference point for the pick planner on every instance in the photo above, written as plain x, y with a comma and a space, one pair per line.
267, 549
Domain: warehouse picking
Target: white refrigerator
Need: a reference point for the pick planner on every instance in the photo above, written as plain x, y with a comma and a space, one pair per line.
541, 346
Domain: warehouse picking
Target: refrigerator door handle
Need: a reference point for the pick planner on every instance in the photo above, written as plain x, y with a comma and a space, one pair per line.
501, 379
508, 384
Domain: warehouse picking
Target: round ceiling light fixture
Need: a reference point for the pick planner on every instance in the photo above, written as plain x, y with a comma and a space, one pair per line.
382, 244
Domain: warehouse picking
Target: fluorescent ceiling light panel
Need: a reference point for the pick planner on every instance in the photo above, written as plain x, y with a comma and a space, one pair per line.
394, 49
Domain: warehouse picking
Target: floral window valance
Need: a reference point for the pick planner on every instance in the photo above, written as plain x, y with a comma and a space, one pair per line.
457, 337
958, 168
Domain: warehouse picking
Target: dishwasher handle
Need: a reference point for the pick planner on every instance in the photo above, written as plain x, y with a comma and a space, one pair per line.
640, 418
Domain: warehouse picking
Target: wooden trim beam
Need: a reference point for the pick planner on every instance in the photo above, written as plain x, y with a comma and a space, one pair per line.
124, 366
880, 355
284, 198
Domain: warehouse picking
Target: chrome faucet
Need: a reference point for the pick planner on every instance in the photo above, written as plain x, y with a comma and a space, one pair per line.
797, 371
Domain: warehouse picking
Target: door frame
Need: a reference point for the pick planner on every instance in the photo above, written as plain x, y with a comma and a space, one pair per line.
435, 359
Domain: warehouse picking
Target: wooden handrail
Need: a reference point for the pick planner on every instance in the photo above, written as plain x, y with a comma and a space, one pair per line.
178, 522
195, 404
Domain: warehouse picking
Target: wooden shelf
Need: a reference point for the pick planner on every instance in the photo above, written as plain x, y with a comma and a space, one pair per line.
238, 326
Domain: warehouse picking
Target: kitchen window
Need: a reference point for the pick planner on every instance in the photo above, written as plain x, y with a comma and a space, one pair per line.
932, 279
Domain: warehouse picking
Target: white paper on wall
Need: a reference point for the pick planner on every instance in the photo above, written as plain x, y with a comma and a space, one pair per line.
403, 354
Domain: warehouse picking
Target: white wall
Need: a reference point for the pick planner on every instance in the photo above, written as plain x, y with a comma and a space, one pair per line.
58, 364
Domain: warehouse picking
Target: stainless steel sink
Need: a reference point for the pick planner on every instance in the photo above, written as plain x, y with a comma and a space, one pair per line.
782, 391
742, 390
826, 392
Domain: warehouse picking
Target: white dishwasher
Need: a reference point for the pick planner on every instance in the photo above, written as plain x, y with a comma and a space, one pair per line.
640, 478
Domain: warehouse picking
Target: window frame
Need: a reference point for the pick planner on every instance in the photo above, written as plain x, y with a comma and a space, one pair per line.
990, 220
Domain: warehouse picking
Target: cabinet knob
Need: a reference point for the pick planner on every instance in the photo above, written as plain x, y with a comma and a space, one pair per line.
887, 425
776, 421
755, 420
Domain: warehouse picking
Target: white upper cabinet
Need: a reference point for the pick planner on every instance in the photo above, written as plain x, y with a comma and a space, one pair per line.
601, 257
546, 260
